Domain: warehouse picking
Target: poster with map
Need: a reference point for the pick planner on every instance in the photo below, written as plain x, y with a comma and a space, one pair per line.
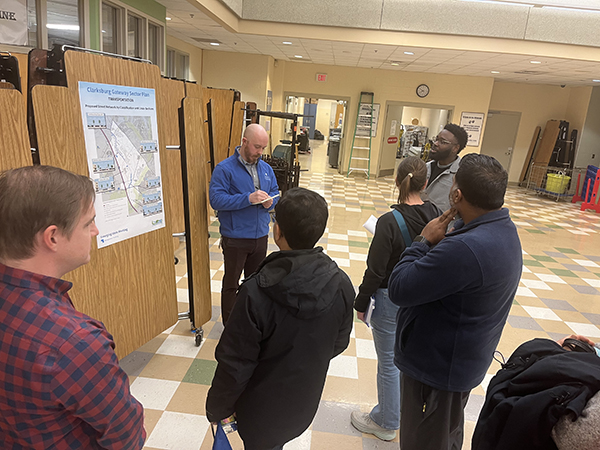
121, 140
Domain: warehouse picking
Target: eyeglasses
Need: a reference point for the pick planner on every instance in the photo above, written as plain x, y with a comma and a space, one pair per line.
443, 141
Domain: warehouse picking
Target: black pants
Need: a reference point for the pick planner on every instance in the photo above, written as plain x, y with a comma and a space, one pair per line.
239, 254
430, 419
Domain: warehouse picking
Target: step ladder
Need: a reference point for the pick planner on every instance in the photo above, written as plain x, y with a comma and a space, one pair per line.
360, 152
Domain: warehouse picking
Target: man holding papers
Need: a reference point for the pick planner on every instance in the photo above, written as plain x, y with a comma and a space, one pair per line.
242, 190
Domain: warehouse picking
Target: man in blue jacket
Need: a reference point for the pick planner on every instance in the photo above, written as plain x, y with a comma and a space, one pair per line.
242, 188
455, 299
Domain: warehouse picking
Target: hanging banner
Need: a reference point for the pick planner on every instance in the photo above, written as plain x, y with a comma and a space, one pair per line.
121, 140
13, 22
472, 123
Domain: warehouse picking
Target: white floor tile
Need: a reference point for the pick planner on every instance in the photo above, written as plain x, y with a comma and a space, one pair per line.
182, 295
338, 248
526, 269
168, 330
338, 237
536, 284
178, 431
525, 292
342, 262
541, 313
594, 282
584, 329
175, 345
586, 263
215, 286
358, 257
302, 442
365, 348
357, 233
343, 366
550, 278
153, 393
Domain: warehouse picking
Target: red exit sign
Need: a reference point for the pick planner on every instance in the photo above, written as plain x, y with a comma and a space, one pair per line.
322, 77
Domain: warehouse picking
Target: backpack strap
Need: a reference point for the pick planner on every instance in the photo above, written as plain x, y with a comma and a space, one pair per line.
403, 228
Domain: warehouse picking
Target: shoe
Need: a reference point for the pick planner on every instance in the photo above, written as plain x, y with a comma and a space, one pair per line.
363, 423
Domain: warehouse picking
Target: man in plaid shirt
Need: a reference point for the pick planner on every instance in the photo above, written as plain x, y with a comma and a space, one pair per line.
60, 382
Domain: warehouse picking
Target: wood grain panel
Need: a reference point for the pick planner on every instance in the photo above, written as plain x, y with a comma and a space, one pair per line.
197, 205
534, 139
14, 142
237, 125
222, 110
549, 136
130, 286
170, 96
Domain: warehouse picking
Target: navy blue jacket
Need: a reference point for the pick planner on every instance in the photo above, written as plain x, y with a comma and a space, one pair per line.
455, 299
230, 186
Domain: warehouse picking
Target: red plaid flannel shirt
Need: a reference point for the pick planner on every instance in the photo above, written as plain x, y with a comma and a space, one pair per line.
60, 382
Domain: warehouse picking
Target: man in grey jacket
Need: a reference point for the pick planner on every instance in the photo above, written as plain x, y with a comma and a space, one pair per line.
444, 164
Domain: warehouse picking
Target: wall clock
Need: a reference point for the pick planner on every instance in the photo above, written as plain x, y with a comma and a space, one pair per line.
422, 90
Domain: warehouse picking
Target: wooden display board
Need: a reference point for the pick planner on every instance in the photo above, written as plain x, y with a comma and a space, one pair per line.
169, 96
237, 125
14, 142
130, 286
549, 137
196, 204
222, 113
529, 157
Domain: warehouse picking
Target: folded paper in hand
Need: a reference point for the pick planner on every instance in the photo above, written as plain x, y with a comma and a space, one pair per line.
266, 199
370, 224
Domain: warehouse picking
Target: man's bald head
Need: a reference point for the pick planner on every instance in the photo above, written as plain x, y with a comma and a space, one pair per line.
255, 140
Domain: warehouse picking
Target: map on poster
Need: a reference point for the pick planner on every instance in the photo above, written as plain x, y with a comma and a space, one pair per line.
121, 140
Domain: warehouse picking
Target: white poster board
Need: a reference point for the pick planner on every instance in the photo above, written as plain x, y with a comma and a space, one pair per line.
121, 140
473, 124
364, 119
13, 22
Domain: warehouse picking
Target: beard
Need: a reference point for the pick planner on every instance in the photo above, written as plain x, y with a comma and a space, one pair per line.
438, 155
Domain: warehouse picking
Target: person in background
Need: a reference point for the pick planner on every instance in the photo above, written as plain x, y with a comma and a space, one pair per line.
384, 253
242, 190
444, 163
60, 382
455, 291
290, 319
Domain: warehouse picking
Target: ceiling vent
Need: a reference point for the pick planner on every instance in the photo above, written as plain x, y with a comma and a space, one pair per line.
530, 72
206, 41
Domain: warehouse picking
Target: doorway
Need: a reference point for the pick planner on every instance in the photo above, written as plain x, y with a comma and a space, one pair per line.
500, 135
407, 130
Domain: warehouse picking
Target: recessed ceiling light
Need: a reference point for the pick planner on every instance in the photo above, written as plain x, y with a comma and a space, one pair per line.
287, 42
495, 71
394, 64
214, 43
596, 81
297, 56
60, 26
535, 62
408, 53
168, 18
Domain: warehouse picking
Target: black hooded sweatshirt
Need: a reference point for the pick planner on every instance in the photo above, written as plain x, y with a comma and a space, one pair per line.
290, 319
387, 247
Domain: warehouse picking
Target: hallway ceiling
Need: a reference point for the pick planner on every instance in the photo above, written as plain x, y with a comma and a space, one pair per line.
191, 25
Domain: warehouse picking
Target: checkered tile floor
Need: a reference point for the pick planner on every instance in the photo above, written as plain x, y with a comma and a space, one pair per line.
559, 294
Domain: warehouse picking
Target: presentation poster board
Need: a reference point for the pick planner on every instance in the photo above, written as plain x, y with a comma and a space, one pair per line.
473, 124
13, 22
121, 140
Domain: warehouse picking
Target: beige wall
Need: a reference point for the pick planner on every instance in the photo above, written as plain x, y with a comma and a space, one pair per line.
538, 104
195, 56
461, 93
240, 71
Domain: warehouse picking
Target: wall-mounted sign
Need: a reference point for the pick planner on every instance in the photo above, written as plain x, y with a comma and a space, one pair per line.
13, 22
472, 123
392, 140
322, 77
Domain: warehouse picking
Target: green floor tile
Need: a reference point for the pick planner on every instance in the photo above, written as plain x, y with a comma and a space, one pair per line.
531, 263
567, 250
555, 227
368, 208
358, 244
563, 273
534, 231
543, 258
201, 372
214, 234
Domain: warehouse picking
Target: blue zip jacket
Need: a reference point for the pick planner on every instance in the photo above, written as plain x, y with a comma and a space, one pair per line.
230, 186
455, 299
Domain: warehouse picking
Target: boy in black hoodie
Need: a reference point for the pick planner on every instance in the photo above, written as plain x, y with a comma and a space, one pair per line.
290, 319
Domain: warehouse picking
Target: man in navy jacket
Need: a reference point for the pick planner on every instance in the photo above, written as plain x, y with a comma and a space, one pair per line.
454, 299
242, 188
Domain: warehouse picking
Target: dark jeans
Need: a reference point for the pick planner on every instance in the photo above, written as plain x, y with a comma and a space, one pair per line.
239, 254
430, 419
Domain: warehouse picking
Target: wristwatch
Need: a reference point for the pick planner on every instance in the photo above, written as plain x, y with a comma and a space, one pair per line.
422, 239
